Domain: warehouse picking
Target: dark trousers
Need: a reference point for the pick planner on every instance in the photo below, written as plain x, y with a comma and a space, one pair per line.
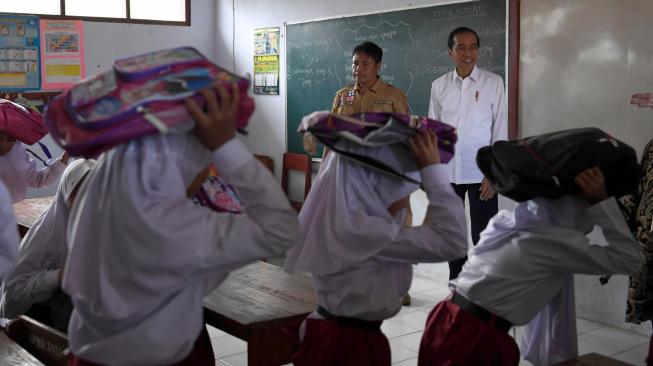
480, 213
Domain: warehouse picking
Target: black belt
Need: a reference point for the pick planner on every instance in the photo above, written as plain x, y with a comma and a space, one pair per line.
482, 314
350, 322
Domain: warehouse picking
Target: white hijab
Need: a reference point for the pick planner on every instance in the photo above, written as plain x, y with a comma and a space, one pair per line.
550, 337
129, 225
49, 230
8, 233
345, 218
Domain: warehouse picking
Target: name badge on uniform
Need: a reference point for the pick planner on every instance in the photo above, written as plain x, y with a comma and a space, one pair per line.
383, 101
350, 96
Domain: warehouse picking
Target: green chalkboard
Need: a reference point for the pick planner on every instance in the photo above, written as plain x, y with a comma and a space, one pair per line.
414, 43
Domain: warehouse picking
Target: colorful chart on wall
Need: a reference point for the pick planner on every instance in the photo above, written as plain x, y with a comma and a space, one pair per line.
62, 53
19, 52
266, 61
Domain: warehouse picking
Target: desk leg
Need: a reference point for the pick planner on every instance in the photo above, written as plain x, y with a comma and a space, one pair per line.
270, 345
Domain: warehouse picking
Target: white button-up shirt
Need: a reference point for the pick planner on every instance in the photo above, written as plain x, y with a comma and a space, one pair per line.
516, 280
19, 171
476, 107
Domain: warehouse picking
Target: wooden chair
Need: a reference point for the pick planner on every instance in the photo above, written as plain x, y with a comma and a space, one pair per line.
299, 162
47, 344
267, 161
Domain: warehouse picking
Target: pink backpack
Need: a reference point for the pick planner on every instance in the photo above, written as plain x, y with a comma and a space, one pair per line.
142, 95
24, 124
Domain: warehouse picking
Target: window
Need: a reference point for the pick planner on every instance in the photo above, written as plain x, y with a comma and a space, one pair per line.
32, 7
103, 8
173, 12
170, 10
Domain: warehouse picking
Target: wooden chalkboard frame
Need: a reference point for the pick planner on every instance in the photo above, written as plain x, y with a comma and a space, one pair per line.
512, 72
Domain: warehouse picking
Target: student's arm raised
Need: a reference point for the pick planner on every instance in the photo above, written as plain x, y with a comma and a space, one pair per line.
443, 236
268, 226
568, 251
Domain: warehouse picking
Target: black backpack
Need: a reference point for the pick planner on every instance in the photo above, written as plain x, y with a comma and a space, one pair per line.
545, 165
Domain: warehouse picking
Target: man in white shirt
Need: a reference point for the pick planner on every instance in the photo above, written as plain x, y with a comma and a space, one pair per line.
472, 101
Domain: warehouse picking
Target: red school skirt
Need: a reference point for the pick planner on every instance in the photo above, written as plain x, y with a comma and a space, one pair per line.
455, 337
329, 344
200, 355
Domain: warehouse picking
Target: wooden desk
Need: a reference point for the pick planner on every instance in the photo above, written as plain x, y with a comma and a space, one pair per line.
593, 359
11, 354
255, 304
27, 211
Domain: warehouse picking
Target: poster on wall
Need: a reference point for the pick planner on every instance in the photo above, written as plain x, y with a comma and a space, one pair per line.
62, 53
266, 61
19, 52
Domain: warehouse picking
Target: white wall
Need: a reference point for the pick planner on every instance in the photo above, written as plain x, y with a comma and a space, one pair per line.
106, 42
580, 62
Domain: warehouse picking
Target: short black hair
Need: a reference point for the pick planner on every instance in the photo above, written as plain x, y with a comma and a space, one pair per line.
370, 49
462, 30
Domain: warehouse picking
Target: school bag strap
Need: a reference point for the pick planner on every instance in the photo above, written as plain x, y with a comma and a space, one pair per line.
45, 150
369, 162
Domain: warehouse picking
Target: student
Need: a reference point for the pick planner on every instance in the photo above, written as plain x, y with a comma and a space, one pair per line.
473, 101
142, 255
33, 288
19, 170
522, 269
8, 233
360, 254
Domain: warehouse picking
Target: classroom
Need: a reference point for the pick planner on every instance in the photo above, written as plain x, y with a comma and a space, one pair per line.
312, 273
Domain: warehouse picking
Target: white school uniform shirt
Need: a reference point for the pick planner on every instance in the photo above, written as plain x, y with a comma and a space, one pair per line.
8, 233
524, 260
142, 255
19, 171
476, 107
43, 251
361, 257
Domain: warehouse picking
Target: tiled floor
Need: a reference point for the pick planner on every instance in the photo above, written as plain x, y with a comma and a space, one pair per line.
405, 331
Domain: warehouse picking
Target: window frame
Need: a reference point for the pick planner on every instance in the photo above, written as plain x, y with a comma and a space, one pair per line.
128, 19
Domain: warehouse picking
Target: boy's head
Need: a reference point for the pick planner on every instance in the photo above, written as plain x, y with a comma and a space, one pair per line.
6, 143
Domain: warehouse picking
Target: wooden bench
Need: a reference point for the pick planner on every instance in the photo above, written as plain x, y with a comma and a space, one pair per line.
27, 211
593, 359
11, 354
256, 304
47, 344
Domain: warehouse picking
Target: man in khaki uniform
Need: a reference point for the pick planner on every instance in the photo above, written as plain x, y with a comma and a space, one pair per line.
370, 93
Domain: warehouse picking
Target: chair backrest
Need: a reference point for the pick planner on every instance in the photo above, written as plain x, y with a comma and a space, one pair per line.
47, 344
300, 162
267, 161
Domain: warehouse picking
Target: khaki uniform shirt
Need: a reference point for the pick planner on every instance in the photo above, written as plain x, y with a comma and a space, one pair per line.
381, 97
